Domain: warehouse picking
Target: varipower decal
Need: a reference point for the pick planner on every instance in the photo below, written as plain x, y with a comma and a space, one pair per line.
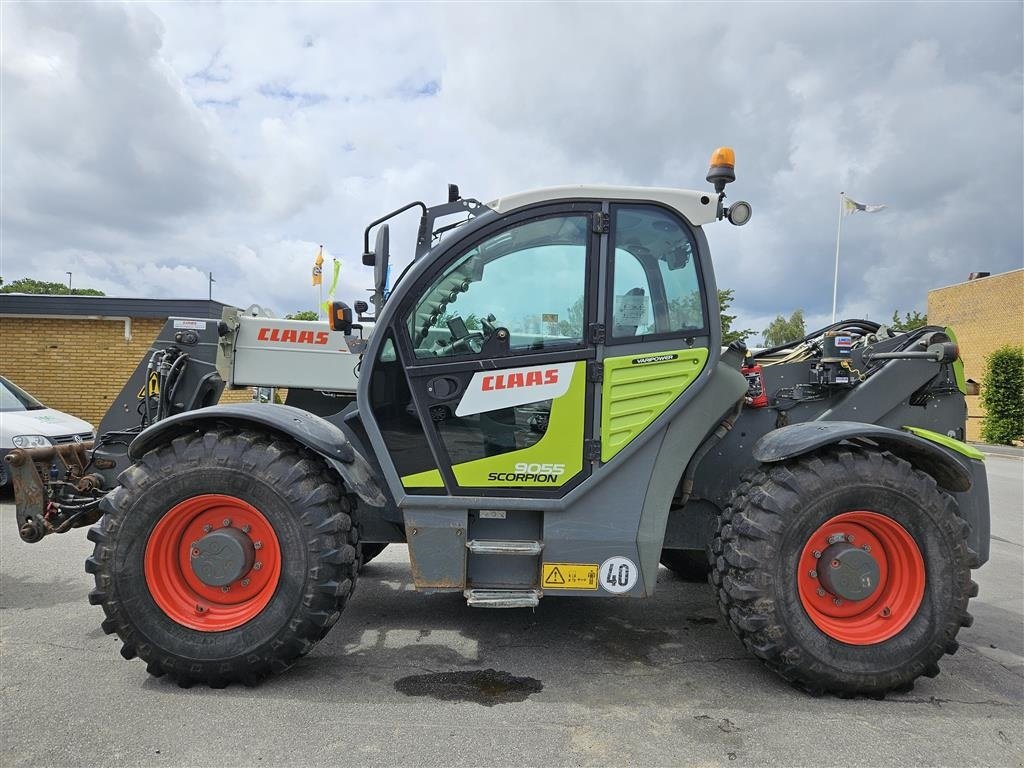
490, 390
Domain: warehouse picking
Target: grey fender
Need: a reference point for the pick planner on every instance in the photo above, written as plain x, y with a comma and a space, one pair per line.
798, 439
305, 428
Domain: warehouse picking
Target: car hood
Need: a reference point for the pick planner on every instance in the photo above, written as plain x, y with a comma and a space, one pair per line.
46, 422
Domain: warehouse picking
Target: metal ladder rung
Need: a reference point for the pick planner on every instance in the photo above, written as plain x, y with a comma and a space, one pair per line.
503, 598
498, 547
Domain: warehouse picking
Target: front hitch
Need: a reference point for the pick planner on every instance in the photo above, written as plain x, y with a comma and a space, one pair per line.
66, 499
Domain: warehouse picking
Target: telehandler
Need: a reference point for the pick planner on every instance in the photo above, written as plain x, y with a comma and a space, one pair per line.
544, 409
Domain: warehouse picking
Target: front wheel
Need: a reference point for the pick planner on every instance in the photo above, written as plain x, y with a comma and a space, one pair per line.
223, 557
845, 571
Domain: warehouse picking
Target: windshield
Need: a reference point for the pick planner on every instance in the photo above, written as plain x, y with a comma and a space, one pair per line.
13, 398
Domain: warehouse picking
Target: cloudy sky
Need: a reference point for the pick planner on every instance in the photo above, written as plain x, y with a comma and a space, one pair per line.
145, 145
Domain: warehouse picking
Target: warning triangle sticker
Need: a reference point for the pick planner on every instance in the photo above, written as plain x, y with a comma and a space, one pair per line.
152, 384
555, 577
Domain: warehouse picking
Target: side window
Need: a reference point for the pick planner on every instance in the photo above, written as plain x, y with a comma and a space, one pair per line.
529, 279
655, 285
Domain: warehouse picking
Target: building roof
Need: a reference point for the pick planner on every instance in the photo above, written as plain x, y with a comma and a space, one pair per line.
107, 306
980, 280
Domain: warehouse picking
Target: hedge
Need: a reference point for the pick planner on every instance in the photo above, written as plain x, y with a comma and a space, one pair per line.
1002, 394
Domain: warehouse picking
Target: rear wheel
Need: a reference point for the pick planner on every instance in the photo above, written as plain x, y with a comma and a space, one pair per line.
846, 571
223, 557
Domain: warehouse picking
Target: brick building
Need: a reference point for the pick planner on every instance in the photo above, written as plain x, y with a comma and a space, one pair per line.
985, 313
75, 353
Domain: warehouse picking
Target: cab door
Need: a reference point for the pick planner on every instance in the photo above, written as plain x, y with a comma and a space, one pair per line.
494, 341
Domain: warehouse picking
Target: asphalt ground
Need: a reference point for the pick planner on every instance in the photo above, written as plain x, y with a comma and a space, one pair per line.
576, 682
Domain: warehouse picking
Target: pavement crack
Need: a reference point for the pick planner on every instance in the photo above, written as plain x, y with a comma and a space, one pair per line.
937, 701
1006, 541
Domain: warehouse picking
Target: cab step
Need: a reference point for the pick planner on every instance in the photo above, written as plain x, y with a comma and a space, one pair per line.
500, 547
503, 598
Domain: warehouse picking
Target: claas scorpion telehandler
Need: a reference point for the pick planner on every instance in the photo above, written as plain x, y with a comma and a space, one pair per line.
543, 409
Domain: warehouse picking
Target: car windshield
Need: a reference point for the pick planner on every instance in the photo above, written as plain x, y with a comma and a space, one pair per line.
13, 398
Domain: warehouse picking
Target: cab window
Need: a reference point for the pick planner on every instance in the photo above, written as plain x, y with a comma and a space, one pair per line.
656, 288
529, 279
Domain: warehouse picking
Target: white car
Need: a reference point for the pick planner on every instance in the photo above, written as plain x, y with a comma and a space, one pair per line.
27, 423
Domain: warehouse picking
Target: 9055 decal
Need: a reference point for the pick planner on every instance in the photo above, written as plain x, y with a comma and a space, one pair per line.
530, 473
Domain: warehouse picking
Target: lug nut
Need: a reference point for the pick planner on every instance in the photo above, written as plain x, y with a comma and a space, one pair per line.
226, 522
835, 564
207, 528
866, 547
849, 538
257, 565
257, 545
837, 601
245, 582
195, 551
816, 554
246, 528
821, 592
225, 588
813, 574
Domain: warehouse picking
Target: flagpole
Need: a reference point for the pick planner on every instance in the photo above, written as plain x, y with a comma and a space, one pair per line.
320, 285
835, 281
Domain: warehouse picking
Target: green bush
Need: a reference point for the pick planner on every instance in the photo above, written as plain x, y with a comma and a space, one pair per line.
1002, 394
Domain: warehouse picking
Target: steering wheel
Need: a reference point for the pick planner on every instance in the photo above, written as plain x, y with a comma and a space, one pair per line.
472, 343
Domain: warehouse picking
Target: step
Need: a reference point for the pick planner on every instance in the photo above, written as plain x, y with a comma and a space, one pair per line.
499, 547
503, 598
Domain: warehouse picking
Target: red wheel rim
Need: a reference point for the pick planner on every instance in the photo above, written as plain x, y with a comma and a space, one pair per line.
176, 588
901, 579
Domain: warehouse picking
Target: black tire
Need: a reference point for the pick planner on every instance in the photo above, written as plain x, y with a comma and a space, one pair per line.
309, 513
687, 564
369, 551
757, 547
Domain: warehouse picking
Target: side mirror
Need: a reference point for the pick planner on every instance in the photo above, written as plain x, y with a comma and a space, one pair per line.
341, 317
382, 256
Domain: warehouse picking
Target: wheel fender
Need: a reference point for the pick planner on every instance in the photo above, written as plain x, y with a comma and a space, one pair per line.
308, 429
798, 439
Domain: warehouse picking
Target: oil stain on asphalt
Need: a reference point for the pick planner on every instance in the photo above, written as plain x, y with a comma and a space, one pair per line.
485, 686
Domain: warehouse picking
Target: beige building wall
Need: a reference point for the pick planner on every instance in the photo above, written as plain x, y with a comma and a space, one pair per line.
985, 314
78, 365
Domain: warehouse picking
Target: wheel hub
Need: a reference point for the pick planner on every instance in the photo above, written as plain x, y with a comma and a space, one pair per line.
861, 577
212, 562
222, 556
848, 572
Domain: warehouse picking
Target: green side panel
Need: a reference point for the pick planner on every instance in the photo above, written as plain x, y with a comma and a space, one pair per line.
638, 388
429, 479
958, 365
948, 442
552, 461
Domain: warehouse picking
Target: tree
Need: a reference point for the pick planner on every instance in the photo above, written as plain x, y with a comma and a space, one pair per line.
1002, 394
782, 331
572, 324
29, 285
305, 314
725, 299
909, 322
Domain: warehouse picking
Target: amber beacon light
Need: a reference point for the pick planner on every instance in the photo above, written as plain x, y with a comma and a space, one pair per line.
722, 172
723, 168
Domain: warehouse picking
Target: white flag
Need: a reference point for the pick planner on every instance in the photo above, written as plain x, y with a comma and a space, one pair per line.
852, 206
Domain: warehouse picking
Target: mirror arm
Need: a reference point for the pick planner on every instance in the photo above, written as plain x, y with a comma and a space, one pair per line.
382, 219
